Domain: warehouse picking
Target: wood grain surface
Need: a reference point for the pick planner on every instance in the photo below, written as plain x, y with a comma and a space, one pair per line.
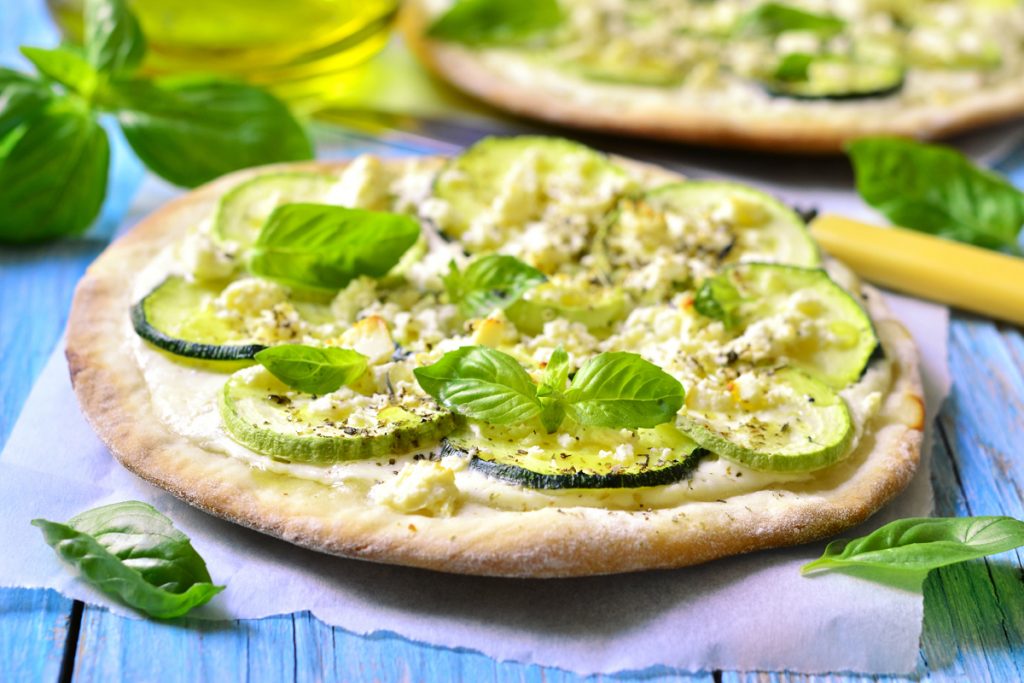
974, 612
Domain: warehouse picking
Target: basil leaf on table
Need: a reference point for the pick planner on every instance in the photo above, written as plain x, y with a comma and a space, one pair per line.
937, 190
133, 553
773, 18
490, 282
920, 544
718, 299
190, 132
19, 102
325, 247
66, 67
622, 390
54, 175
311, 369
497, 22
481, 383
114, 42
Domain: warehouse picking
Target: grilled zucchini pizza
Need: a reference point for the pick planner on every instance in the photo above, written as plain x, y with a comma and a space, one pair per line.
801, 75
528, 360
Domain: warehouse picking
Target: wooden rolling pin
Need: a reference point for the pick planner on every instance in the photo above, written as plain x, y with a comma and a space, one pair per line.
952, 273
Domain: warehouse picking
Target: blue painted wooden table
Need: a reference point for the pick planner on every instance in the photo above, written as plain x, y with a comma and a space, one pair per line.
974, 613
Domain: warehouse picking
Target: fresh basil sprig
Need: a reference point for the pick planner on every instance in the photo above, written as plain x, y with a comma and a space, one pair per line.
490, 282
919, 544
937, 190
617, 389
54, 155
497, 22
773, 18
133, 553
719, 299
312, 369
320, 246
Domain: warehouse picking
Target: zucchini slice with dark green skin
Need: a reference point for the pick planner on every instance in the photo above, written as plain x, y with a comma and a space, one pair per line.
800, 425
264, 415
831, 78
670, 457
175, 317
835, 342
471, 181
591, 304
242, 211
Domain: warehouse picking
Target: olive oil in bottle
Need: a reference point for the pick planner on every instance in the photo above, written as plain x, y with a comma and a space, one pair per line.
300, 49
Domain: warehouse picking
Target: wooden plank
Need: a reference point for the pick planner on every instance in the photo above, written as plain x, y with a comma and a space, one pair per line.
33, 630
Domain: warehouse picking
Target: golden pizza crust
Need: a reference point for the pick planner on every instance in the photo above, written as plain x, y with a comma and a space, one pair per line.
811, 127
550, 542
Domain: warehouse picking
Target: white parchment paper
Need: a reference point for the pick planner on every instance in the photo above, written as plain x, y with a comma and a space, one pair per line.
745, 613
752, 612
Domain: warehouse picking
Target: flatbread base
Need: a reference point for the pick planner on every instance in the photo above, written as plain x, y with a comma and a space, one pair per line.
550, 542
807, 127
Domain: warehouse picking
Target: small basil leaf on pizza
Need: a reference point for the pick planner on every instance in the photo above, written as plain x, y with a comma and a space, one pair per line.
133, 553
938, 190
556, 374
488, 283
312, 369
481, 383
919, 544
320, 246
719, 299
773, 18
497, 22
622, 390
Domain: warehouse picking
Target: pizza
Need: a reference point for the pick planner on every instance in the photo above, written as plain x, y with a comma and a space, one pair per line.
528, 360
804, 75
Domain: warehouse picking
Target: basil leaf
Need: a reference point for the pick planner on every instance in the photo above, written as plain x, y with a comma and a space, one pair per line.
114, 42
133, 553
937, 190
481, 383
64, 66
326, 247
793, 67
497, 22
490, 282
53, 175
19, 102
773, 18
556, 374
193, 131
311, 369
719, 299
923, 543
623, 391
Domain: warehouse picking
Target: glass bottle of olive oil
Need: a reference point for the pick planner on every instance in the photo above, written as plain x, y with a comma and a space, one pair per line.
300, 49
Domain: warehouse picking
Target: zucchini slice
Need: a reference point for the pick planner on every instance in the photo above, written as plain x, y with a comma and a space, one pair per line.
263, 414
608, 66
576, 300
810, 320
761, 227
838, 78
796, 424
482, 178
594, 458
241, 211
177, 316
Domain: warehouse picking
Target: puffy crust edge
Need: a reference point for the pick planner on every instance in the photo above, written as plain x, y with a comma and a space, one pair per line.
802, 129
552, 542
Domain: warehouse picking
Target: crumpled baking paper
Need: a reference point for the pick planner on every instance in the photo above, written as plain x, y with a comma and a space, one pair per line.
754, 612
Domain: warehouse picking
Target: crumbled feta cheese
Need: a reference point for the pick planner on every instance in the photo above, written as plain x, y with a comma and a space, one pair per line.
422, 487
